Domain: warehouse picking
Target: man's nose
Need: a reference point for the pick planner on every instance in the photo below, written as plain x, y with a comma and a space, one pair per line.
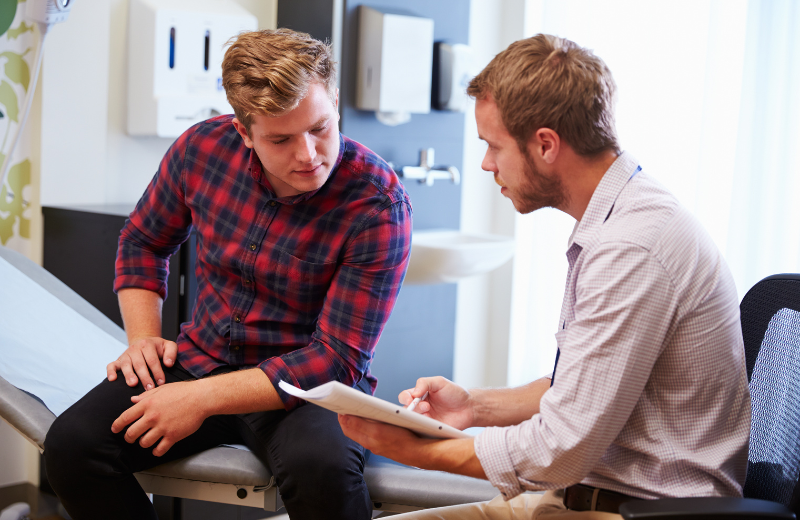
306, 151
488, 164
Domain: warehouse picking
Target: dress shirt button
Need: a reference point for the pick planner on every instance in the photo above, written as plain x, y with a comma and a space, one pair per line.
237, 319
253, 247
235, 348
273, 203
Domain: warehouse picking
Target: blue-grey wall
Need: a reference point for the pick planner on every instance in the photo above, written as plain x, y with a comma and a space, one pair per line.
419, 338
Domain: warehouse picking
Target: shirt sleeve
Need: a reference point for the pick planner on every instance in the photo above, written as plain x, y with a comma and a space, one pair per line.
357, 305
160, 223
625, 307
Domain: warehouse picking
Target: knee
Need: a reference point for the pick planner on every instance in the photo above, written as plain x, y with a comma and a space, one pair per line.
313, 464
68, 447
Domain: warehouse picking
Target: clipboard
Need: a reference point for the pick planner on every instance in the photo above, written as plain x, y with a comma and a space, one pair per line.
339, 398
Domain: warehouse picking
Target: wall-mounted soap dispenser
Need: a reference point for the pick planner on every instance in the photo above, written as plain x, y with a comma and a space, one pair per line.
395, 57
452, 71
175, 51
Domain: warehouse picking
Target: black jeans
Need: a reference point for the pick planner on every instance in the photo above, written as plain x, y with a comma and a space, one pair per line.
318, 470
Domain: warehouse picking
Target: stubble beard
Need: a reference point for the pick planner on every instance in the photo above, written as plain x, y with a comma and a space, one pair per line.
539, 191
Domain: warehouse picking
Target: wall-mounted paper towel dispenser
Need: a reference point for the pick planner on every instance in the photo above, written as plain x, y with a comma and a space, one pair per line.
175, 51
395, 57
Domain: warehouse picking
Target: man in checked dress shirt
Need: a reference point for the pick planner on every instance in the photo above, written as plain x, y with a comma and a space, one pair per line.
649, 395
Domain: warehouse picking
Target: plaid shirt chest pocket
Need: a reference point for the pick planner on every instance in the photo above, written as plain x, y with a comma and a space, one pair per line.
302, 285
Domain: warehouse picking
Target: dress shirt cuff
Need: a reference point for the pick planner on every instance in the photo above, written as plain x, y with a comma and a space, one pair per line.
492, 451
277, 371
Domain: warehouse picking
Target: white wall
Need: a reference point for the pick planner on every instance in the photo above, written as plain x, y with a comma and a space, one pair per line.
484, 303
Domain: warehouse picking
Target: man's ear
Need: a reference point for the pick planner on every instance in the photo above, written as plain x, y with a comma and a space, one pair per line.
545, 144
243, 132
336, 104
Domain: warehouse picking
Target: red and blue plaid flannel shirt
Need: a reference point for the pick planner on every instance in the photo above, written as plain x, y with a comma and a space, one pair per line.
300, 286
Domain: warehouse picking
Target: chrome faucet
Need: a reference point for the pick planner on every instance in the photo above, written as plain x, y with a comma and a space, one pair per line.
426, 173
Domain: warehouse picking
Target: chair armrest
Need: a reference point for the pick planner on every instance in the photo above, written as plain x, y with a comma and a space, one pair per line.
704, 508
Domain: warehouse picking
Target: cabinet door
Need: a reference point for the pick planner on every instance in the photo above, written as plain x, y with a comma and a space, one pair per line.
80, 248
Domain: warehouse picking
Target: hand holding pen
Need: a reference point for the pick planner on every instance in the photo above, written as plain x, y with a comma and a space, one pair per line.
442, 400
415, 402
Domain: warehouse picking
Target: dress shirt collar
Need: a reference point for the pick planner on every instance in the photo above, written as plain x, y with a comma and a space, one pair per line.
257, 171
604, 197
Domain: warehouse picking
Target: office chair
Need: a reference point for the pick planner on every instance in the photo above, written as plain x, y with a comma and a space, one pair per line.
770, 313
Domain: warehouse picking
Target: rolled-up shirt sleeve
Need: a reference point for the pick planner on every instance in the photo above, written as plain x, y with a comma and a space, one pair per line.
157, 227
357, 305
625, 306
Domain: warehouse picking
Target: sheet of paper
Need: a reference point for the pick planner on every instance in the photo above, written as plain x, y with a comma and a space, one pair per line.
342, 399
46, 348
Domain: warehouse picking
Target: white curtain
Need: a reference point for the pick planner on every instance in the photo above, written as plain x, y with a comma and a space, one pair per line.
709, 102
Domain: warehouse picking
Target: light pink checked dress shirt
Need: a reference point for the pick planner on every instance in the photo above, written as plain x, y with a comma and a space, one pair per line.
650, 392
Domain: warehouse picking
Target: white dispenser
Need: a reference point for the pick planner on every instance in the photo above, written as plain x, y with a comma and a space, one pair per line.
395, 57
175, 51
455, 73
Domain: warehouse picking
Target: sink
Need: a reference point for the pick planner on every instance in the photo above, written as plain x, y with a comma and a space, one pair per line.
448, 255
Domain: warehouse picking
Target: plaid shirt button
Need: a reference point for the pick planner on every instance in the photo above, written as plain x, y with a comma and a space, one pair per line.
253, 247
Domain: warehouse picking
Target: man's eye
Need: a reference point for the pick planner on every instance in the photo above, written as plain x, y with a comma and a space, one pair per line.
280, 141
320, 129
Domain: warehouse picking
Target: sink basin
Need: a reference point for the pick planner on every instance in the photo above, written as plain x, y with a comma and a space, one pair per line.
448, 255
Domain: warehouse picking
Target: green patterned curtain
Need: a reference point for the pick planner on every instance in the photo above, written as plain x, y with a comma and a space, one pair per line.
17, 51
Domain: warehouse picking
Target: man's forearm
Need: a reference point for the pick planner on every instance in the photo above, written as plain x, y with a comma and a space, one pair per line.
141, 313
244, 391
507, 406
454, 456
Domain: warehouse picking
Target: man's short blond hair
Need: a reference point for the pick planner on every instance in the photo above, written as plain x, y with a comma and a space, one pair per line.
550, 82
269, 72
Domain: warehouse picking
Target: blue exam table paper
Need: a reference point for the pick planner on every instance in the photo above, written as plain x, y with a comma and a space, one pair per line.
46, 347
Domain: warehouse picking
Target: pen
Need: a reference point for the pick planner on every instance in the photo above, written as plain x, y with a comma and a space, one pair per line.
415, 402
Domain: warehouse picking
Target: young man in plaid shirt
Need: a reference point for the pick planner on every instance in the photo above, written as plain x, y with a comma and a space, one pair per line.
303, 239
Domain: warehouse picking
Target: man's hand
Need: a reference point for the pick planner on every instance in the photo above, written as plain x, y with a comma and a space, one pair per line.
383, 439
171, 412
446, 401
142, 358
452, 455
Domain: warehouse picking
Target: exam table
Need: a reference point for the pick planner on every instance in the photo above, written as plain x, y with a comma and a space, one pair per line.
222, 474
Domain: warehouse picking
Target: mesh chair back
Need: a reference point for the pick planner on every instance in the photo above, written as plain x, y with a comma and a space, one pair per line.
771, 329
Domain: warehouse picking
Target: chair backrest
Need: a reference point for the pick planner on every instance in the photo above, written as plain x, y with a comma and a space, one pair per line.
771, 328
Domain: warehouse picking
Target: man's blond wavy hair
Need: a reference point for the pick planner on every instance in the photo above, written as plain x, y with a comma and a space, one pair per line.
269, 72
550, 82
